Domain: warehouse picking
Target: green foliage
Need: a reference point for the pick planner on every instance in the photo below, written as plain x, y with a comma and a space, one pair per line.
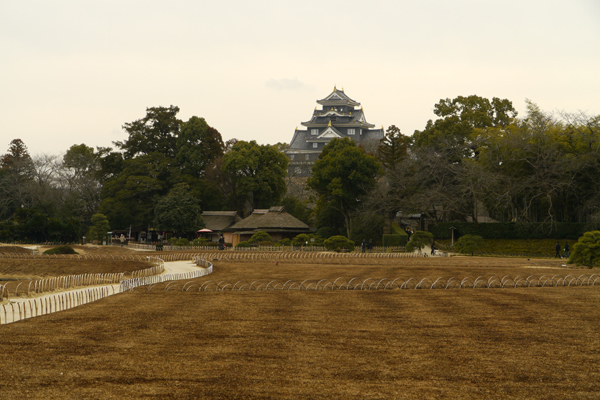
285, 242
61, 250
343, 175
243, 244
301, 240
255, 174
397, 230
129, 197
468, 244
419, 239
459, 118
33, 226
327, 232
510, 230
297, 209
329, 216
101, 227
173, 241
368, 226
182, 242
394, 240
587, 250
200, 242
178, 211
266, 243
155, 133
339, 243
260, 236
198, 146
393, 148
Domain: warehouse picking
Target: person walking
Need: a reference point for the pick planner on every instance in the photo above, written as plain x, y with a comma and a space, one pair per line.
363, 245
557, 248
567, 250
370, 245
122, 239
221, 243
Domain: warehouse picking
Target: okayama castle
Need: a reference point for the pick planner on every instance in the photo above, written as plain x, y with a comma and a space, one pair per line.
339, 118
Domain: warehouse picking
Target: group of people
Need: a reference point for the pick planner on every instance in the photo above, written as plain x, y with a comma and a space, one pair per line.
567, 251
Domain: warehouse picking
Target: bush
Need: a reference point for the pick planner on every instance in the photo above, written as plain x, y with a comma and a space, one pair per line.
301, 239
61, 250
266, 243
316, 240
339, 243
587, 250
418, 240
395, 240
200, 242
182, 242
243, 244
285, 242
172, 241
260, 236
469, 244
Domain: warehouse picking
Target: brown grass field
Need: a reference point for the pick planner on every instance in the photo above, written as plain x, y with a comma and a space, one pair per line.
518, 343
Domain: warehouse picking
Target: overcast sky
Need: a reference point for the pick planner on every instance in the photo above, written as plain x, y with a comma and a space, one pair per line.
74, 72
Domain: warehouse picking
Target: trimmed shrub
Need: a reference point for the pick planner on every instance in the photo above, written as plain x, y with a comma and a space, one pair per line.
260, 236
395, 240
418, 240
301, 239
201, 242
468, 244
587, 250
338, 243
266, 243
182, 242
285, 242
61, 250
243, 244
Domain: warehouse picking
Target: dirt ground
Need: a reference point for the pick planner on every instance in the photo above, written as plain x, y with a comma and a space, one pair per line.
523, 343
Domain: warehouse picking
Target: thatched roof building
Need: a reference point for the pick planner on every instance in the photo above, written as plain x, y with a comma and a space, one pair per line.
275, 221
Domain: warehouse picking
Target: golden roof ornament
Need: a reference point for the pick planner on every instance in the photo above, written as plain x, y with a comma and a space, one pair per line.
329, 124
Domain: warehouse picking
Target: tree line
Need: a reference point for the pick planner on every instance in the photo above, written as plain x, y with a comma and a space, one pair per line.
477, 157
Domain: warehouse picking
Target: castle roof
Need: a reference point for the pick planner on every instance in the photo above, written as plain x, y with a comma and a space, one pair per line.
338, 98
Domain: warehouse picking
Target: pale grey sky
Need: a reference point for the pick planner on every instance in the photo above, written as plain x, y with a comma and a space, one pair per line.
74, 71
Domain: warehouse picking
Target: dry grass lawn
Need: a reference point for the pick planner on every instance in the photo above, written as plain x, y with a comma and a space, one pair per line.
524, 343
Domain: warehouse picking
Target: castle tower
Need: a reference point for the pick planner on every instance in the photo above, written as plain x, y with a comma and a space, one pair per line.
339, 117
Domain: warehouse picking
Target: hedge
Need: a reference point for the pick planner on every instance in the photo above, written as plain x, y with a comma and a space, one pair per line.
395, 240
510, 230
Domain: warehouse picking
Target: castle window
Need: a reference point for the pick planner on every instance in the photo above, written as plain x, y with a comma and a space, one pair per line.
351, 131
315, 145
314, 132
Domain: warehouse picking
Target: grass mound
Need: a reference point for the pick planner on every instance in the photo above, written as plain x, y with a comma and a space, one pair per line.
61, 250
14, 249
